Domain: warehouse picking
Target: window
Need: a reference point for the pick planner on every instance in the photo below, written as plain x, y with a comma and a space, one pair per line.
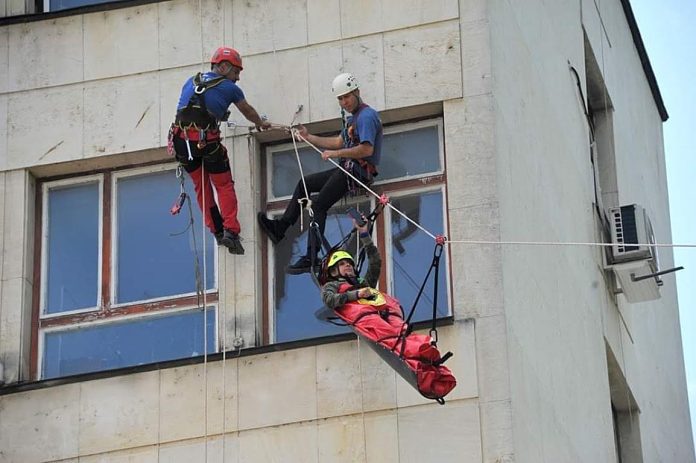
119, 274
56, 5
411, 174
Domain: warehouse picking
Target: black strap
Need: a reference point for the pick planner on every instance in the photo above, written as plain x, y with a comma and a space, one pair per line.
342, 243
196, 111
437, 253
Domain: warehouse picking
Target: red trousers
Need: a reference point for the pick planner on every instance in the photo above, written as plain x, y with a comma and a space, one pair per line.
210, 168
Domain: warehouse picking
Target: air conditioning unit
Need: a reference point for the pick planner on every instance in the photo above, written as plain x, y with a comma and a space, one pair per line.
633, 257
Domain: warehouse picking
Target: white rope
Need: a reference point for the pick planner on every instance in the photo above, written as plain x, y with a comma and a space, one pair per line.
482, 242
205, 313
364, 186
310, 211
570, 243
205, 269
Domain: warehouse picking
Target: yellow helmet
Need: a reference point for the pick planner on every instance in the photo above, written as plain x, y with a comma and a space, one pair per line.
337, 256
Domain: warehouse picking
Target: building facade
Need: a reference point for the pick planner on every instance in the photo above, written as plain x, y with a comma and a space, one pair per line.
504, 122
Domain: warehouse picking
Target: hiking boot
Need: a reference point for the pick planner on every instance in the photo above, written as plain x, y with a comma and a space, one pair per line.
272, 228
303, 265
231, 241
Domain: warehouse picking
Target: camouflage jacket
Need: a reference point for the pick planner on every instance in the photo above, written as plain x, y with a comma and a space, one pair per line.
329, 292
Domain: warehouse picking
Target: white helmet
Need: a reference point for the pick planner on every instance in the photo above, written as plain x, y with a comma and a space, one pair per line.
343, 84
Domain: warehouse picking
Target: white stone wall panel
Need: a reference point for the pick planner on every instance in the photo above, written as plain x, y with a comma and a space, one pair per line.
111, 49
364, 57
293, 443
119, 413
398, 14
277, 388
182, 402
17, 227
261, 26
179, 25
4, 58
4, 101
422, 64
191, 450
323, 20
121, 115
381, 437
476, 58
40, 425
281, 74
139, 455
338, 380
324, 63
15, 326
456, 425
360, 17
34, 61
341, 440
56, 114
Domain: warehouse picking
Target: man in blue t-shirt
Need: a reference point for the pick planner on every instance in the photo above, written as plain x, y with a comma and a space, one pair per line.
194, 139
359, 148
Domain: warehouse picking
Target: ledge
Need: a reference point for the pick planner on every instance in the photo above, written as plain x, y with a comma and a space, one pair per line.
25, 386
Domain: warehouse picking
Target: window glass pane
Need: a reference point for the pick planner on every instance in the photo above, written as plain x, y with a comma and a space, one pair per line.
297, 297
155, 259
409, 153
73, 248
56, 5
285, 173
412, 254
127, 343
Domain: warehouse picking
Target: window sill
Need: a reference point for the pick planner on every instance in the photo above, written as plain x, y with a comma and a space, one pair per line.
24, 386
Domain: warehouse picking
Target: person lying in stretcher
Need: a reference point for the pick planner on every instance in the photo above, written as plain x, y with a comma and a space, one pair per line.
378, 317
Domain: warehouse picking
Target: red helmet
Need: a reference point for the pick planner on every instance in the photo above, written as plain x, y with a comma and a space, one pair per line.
227, 54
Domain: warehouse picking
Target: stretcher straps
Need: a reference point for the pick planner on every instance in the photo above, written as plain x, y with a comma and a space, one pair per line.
437, 253
316, 241
361, 255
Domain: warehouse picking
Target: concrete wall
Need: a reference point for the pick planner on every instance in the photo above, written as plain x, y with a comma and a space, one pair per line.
108, 98
329, 403
531, 324
558, 303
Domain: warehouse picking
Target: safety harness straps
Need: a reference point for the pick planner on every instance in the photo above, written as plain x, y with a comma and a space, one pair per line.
195, 114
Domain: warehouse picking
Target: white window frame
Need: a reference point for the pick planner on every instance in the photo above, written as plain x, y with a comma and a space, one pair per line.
114, 241
121, 319
44, 243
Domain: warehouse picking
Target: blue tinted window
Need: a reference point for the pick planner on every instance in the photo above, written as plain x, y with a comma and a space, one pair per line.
127, 343
285, 172
297, 297
55, 5
152, 259
408, 153
412, 152
73, 248
412, 253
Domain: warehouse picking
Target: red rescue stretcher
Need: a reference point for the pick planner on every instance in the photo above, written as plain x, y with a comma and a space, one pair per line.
379, 320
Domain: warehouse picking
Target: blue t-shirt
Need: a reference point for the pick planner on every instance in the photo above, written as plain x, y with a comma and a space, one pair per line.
369, 130
217, 99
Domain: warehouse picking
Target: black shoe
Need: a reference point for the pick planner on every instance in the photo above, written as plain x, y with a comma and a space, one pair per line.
218, 237
271, 228
303, 265
231, 241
